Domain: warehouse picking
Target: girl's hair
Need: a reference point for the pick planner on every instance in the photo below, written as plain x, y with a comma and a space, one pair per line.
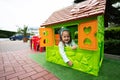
61, 31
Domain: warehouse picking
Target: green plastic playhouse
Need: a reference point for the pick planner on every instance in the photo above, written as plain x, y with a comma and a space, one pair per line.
86, 23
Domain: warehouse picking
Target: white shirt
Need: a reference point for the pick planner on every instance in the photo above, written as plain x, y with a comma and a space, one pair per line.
62, 52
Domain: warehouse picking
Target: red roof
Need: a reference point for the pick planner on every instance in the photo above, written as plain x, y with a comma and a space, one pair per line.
77, 11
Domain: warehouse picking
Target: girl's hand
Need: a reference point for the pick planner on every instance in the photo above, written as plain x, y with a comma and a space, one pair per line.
70, 63
74, 47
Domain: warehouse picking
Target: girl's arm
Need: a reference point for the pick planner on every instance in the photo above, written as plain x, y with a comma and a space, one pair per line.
62, 52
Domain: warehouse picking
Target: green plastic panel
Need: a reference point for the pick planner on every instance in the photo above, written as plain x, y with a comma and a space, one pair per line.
87, 61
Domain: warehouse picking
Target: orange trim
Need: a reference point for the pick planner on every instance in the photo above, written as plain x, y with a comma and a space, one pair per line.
47, 37
82, 35
57, 39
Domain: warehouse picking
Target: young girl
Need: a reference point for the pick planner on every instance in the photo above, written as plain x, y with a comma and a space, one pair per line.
65, 40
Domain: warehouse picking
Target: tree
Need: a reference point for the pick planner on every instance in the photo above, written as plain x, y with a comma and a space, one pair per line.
24, 32
112, 14
19, 30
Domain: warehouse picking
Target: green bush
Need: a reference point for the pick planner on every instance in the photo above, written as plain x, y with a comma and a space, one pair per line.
3, 36
6, 34
112, 33
112, 46
112, 40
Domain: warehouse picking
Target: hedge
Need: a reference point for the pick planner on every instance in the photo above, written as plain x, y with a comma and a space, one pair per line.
112, 46
112, 40
112, 33
6, 34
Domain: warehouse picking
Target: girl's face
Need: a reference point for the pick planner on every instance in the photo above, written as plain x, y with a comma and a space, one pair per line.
65, 36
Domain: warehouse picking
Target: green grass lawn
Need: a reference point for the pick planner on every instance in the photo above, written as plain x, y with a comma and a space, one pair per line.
110, 69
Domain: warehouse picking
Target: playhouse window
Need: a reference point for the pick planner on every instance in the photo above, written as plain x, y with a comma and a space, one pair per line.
74, 32
57, 36
87, 32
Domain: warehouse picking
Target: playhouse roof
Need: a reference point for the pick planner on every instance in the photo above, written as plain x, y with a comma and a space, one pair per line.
77, 11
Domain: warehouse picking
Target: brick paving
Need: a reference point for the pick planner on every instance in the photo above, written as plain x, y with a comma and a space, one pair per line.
16, 65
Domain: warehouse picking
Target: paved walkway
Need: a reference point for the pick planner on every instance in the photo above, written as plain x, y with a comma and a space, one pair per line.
16, 65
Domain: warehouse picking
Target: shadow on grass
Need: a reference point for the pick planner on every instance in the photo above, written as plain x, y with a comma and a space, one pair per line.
110, 69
